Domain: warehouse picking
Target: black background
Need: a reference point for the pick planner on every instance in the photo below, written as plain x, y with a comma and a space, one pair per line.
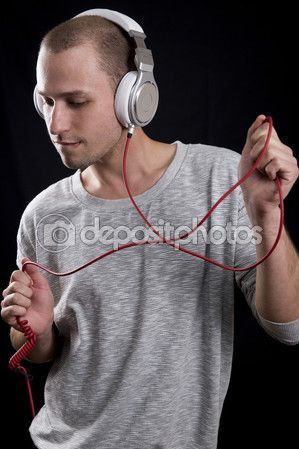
217, 68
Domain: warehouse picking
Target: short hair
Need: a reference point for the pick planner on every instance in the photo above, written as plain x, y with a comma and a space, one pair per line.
115, 48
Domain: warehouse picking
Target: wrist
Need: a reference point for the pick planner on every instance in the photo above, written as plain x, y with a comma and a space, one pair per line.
264, 217
46, 346
47, 333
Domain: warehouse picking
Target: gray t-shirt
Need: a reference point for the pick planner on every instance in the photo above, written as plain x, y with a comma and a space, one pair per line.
147, 331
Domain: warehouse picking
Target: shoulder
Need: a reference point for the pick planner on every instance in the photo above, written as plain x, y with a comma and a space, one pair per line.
212, 161
211, 154
51, 199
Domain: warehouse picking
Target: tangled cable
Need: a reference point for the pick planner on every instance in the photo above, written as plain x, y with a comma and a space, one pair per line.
16, 359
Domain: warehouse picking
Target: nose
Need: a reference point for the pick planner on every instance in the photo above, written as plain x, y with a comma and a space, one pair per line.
59, 119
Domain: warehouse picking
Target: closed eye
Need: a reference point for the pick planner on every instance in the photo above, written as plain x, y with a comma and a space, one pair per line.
76, 104
73, 104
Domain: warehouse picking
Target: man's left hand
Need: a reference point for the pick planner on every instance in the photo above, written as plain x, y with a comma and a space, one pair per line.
259, 191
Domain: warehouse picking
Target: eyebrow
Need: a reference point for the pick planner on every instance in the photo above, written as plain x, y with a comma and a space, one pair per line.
72, 93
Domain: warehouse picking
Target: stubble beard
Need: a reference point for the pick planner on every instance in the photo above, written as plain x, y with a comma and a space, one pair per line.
88, 160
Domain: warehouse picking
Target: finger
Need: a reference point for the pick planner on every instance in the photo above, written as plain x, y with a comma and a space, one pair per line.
23, 260
258, 121
16, 299
275, 152
37, 278
18, 287
284, 170
8, 313
20, 276
14, 324
262, 132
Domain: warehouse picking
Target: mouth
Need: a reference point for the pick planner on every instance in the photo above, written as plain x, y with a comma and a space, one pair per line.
63, 144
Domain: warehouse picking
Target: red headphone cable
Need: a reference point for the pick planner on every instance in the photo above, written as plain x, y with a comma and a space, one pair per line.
243, 179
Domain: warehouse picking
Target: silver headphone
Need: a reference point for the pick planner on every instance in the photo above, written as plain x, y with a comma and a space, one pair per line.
137, 95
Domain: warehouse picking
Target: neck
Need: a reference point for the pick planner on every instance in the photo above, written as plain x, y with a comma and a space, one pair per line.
146, 162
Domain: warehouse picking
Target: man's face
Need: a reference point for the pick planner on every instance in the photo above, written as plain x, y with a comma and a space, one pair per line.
78, 105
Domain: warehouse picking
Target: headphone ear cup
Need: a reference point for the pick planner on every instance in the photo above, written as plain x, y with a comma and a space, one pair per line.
38, 102
145, 102
122, 96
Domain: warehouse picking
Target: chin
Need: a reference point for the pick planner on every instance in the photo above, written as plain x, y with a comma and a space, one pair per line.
71, 165
75, 165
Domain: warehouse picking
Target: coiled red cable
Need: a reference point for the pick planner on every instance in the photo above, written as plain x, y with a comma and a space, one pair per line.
15, 360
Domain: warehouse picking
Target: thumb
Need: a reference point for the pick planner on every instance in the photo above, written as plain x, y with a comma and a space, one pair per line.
32, 271
255, 125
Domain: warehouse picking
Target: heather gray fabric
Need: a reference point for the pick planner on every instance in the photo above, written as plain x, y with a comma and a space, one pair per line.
148, 331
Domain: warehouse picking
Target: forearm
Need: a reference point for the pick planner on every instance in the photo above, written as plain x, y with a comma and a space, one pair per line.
277, 278
45, 349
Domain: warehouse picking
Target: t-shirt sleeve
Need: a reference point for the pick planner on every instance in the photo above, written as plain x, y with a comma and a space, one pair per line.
245, 254
26, 239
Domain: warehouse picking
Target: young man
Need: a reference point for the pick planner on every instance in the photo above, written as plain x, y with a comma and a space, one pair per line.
147, 332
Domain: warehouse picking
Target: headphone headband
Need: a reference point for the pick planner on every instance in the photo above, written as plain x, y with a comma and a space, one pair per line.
137, 95
120, 19
143, 56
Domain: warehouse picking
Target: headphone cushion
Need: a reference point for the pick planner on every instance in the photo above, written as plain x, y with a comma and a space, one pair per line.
38, 102
122, 97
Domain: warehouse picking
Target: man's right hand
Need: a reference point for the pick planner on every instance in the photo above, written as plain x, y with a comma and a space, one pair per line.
29, 297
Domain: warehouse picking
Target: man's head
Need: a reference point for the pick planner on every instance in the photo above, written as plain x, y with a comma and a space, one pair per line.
114, 50
79, 66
